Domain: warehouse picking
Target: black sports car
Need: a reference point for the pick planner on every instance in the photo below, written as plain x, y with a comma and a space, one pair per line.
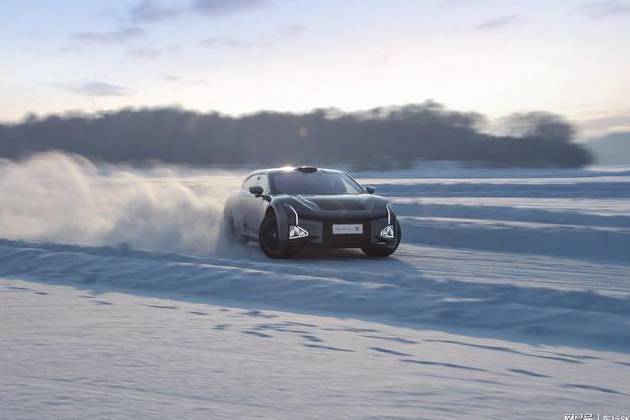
286, 209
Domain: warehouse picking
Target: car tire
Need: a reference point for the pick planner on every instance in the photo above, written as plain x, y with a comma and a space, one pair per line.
268, 237
383, 251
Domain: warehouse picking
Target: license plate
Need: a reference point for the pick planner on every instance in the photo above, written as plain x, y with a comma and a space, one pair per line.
347, 229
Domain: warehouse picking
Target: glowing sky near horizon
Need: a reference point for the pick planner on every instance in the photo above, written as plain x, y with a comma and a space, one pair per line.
237, 56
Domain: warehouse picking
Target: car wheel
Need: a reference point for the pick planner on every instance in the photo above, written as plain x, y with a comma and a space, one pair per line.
384, 251
269, 238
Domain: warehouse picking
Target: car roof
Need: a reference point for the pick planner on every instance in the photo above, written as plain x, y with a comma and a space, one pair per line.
306, 169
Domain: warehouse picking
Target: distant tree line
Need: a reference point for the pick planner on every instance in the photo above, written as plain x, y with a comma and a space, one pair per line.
392, 137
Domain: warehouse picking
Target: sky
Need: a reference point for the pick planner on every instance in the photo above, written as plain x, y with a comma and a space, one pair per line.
495, 57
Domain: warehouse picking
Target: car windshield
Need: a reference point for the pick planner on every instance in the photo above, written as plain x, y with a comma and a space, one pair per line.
314, 183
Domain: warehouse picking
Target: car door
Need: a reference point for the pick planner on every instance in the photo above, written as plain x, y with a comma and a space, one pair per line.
241, 204
255, 206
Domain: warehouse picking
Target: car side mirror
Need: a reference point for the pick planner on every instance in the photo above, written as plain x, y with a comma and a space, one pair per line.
370, 190
257, 190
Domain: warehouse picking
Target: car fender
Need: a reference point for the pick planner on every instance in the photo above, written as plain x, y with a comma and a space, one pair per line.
282, 218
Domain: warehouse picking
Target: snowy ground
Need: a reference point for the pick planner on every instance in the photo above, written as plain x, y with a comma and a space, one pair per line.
510, 296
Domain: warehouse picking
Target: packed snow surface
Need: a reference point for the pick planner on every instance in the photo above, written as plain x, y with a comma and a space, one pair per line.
509, 296
68, 353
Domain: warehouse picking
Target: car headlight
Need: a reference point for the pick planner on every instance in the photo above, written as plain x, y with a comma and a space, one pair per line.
296, 232
388, 232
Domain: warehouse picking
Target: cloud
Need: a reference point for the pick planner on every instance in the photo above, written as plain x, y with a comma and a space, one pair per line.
291, 31
151, 11
118, 36
220, 42
605, 8
498, 23
72, 48
144, 52
96, 88
172, 78
605, 123
224, 7
178, 79
288, 31
152, 52
148, 11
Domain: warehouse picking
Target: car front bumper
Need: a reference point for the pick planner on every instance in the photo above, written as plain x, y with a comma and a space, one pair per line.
320, 234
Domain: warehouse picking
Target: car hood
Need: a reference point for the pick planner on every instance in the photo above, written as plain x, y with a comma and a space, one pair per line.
347, 204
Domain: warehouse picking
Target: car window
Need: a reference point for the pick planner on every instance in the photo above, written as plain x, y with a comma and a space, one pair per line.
257, 180
249, 182
314, 183
263, 182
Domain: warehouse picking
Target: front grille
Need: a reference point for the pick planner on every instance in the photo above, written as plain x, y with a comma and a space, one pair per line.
331, 239
337, 205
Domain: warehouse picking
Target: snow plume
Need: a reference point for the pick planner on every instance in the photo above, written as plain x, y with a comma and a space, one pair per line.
68, 199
